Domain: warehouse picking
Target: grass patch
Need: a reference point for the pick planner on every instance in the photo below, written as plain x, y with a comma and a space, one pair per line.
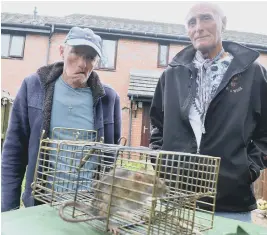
135, 166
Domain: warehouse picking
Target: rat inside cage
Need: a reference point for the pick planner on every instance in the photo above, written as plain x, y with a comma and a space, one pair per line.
130, 190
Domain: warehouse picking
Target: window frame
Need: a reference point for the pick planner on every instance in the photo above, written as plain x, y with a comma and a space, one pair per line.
115, 56
9, 45
167, 55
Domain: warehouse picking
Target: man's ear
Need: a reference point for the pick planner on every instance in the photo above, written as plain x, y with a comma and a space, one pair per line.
61, 51
224, 22
186, 26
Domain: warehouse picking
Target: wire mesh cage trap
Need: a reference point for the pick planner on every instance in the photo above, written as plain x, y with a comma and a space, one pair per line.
129, 190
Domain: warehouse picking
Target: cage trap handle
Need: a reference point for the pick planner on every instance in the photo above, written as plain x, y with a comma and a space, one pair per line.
120, 141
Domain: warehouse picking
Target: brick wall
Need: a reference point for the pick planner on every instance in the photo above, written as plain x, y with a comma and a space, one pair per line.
136, 127
260, 186
263, 60
13, 71
131, 54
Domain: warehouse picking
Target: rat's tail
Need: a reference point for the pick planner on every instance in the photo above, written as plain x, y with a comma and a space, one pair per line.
81, 207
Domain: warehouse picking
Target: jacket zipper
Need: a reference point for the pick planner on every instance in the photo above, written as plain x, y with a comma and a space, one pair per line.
189, 106
190, 103
236, 74
94, 114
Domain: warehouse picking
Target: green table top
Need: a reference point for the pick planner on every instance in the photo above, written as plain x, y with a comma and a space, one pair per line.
44, 220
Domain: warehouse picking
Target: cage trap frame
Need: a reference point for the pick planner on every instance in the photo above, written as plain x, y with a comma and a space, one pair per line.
72, 170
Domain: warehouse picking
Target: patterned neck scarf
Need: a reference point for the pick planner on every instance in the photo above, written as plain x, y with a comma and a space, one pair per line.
209, 76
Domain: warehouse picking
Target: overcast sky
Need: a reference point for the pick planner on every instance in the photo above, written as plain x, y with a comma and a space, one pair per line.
245, 16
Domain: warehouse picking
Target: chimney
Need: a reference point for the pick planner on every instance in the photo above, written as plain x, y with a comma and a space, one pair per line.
35, 14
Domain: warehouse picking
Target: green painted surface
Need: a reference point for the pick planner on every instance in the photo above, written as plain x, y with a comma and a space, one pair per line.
41, 220
223, 226
44, 220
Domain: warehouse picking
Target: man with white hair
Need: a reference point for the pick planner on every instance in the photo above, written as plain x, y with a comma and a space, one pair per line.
67, 94
212, 100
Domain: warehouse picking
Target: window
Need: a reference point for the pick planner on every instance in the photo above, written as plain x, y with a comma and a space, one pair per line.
163, 55
12, 46
108, 60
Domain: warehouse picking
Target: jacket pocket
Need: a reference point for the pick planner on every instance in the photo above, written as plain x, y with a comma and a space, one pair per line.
253, 171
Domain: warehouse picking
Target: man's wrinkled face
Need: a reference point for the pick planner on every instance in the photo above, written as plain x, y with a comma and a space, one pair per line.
204, 26
79, 62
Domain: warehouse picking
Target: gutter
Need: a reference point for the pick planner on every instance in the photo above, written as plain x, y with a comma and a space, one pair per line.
26, 28
66, 27
259, 47
49, 43
130, 34
140, 97
130, 123
181, 39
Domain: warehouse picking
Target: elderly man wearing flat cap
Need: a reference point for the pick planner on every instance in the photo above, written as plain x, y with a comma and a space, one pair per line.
65, 94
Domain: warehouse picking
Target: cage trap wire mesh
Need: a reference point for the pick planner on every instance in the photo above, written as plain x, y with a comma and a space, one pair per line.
138, 190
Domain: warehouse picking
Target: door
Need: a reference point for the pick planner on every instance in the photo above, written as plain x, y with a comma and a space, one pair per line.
145, 131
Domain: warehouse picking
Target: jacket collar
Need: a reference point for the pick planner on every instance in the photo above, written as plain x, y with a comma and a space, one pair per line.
243, 56
49, 74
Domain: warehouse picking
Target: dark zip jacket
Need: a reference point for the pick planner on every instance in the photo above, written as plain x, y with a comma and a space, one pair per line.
236, 121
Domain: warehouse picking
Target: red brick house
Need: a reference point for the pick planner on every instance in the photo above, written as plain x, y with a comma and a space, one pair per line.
136, 52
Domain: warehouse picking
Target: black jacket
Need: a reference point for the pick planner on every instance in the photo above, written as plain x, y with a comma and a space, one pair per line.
236, 121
